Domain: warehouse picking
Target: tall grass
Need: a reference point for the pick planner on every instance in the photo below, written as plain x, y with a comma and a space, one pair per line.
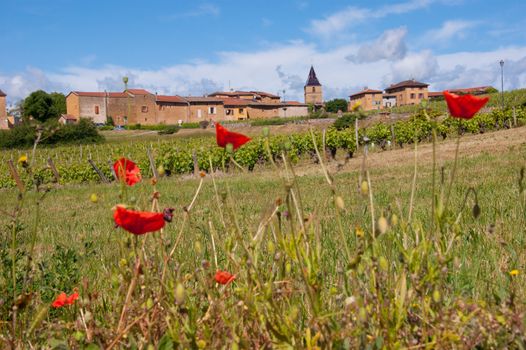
329, 260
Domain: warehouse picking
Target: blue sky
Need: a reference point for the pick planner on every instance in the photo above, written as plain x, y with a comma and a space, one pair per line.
196, 47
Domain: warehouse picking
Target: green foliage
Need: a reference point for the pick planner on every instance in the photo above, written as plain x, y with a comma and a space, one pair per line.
43, 106
335, 105
169, 130
25, 134
347, 120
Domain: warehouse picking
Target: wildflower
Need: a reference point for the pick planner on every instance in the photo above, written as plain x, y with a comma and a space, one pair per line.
223, 277
514, 272
359, 231
138, 222
465, 106
225, 137
22, 159
63, 299
127, 171
94, 198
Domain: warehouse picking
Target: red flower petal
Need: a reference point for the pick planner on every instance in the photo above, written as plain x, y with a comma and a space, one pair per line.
128, 171
60, 300
71, 299
464, 106
224, 137
138, 222
223, 277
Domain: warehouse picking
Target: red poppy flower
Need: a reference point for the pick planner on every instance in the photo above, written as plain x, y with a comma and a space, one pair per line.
224, 137
128, 171
63, 300
464, 106
223, 277
138, 222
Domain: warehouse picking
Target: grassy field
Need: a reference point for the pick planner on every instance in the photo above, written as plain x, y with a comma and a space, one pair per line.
311, 271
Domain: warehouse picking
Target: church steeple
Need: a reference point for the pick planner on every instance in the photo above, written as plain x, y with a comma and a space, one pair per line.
312, 80
312, 89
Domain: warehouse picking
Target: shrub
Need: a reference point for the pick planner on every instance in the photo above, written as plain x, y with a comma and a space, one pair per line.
203, 124
347, 120
171, 129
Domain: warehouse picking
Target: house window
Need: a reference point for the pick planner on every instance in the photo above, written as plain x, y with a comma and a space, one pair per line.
412, 95
211, 110
144, 109
313, 89
96, 109
420, 95
241, 111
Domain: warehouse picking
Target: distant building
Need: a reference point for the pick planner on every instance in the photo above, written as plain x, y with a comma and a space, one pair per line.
408, 92
367, 99
313, 89
139, 106
4, 123
67, 119
388, 101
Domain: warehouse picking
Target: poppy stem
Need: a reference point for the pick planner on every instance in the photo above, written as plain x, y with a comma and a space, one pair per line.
454, 170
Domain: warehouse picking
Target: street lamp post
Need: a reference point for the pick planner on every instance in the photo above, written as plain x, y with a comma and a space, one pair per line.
502, 84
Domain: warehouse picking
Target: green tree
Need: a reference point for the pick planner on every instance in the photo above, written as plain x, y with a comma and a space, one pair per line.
333, 106
43, 106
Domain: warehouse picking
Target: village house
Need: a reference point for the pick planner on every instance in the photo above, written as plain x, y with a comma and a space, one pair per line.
367, 99
408, 92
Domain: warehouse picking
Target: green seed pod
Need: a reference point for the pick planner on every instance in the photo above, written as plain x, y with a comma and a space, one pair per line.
266, 131
394, 220
229, 148
271, 247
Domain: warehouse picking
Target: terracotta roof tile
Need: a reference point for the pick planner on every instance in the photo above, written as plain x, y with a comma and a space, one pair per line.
2, 93
366, 91
173, 99
203, 99
138, 92
406, 83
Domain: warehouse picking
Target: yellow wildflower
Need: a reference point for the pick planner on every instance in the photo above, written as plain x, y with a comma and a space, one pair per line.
514, 272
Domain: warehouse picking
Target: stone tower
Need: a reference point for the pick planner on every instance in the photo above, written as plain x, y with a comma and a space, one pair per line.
313, 91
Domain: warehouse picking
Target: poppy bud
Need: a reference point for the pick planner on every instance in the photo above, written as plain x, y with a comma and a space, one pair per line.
266, 131
364, 188
382, 262
197, 247
229, 148
382, 225
339, 202
394, 220
160, 170
168, 214
179, 294
436, 296
93, 198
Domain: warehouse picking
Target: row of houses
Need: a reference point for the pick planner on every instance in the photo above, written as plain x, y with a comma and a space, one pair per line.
408, 92
139, 106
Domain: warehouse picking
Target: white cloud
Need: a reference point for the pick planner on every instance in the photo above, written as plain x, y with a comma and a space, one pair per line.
352, 15
283, 67
420, 66
390, 46
455, 29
